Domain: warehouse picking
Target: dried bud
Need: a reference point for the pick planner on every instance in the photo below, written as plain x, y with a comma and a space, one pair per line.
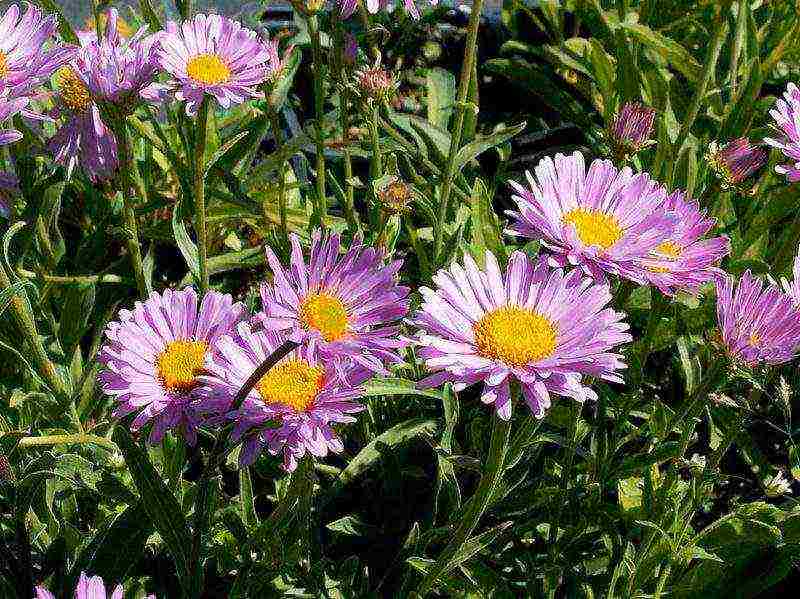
631, 130
395, 195
736, 161
777, 486
6, 471
375, 83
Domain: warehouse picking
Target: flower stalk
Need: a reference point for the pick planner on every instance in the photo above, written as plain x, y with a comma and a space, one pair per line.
126, 159
319, 115
199, 189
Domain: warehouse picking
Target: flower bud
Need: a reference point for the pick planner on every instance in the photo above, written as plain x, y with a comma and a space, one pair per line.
736, 161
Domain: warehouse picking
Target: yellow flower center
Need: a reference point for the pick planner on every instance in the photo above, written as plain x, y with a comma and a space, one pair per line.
180, 363
74, 94
326, 314
3, 66
208, 69
294, 383
666, 251
517, 336
594, 227
755, 339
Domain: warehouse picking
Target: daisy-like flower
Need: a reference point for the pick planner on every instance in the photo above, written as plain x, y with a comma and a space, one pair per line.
686, 260
348, 7
115, 68
88, 588
736, 161
787, 122
83, 138
292, 408
605, 220
213, 55
758, 323
9, 189
539, 326
630, 132
155, 353
340, 306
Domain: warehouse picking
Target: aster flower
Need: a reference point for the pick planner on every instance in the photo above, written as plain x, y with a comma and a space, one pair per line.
630, 132
736, 161
213, 55
374, 82
344, 306
792, 287
9, 189
88, 588
348, 7
155, 353
759, 324
83, 138
787, 122
536, 325
294, 406
9, 107
686, 260
114, 68
604, 220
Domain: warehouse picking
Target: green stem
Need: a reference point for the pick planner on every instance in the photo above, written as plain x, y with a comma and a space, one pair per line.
200, 193
622, 9
76, 280
319, 115
566, 474
278, 133
736, 46
455, 140
717, 40
77, 439
126, 159
492, 474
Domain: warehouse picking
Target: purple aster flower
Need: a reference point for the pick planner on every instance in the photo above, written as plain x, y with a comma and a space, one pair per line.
155, 353
605, 220
348, 7
9, 190
25, 61
9, 107
339, 305
686, 260
736, 161
536, 325
759, 324
632, 127
114, 68
213, 55
88, 588
292, 408
787, 121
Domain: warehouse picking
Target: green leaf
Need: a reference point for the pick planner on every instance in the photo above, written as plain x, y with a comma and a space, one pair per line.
351, 526
441, 87
77, 306
475, 545
280, 91
185, 244
486, 142
160, 504
221, 152
249, 516
149, 14
670, 50
378, 387
485, 228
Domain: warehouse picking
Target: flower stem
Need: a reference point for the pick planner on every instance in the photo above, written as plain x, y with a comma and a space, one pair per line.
126, 159
455, 140
492, 474
200, 194
278, 133
319, 115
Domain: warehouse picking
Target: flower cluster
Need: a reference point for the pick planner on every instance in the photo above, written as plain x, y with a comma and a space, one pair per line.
88, 588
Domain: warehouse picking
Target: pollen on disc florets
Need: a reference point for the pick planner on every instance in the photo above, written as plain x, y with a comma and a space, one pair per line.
594, 227
180, 363
294, 382
669, 250
72, 91
514, 335
208, 69
324, 313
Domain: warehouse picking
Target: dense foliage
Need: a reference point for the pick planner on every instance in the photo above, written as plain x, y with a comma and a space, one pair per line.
393, 303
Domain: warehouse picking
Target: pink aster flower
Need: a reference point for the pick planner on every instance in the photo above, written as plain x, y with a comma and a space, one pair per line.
533, 324
348, 7
759, 324
213, 55
736, 161
155, 353
293, 408
787, 122
83, 138
88, 588
605, 220
686, 260
114, 68
632, 128
341, 306
9, 189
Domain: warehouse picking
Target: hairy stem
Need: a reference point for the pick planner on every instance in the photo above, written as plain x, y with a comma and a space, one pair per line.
126, 159
319, 115
200, 193
282, 211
